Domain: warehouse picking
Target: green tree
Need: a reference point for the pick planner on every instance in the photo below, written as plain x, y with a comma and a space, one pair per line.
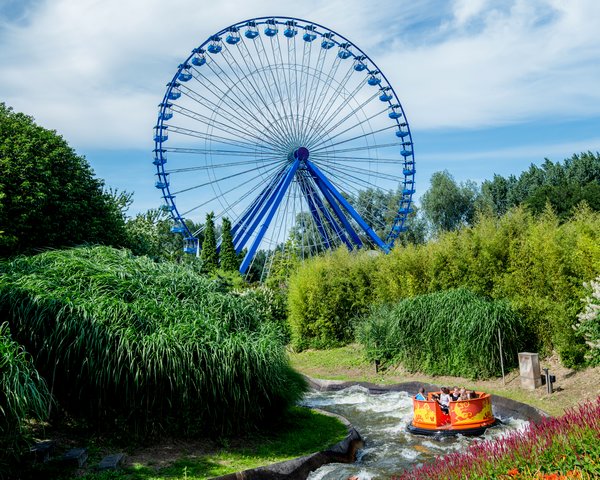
209, 254
49, 195
228, 257
448, 205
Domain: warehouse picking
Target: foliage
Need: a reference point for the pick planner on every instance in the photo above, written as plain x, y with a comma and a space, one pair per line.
155, 345
564, 185
538, 264
454, 332
228, 258
564, 447
23, 395
150, 234
448, 205
209, 254
325, 295
270, 304
589, 322
49, 196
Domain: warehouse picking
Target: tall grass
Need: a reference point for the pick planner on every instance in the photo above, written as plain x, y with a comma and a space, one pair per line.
447, 333
23, 395
156, 345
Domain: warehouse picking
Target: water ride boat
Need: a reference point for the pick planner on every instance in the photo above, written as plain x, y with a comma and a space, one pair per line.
466, 417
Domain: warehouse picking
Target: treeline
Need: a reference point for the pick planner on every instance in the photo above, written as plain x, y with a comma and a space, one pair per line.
449, 205
537, 263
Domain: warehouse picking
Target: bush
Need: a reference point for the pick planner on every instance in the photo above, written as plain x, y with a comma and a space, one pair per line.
589, 322
446, 333
536, 263
23, 395
156, 345
326, 295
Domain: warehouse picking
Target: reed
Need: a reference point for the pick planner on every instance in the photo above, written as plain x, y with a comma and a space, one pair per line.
454, 332
154, 345
23, 395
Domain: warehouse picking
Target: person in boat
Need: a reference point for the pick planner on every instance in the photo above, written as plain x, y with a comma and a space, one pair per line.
421, 395
473, 394
444, 399
464, 395
455, 394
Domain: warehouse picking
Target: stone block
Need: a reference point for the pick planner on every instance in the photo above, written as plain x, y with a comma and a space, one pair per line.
76, 457
111, 462
529, 368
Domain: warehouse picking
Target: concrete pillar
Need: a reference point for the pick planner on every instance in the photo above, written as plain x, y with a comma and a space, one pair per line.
529, 366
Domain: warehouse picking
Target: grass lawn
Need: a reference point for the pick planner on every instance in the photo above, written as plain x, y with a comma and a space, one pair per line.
348, 363
303, 432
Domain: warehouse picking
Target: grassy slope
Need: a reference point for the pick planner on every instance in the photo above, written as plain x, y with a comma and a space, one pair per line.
347, 363
303, 432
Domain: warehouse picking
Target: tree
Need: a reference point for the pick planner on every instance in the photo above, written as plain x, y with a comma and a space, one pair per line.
448, 205
228, 257
49, 195
209, 254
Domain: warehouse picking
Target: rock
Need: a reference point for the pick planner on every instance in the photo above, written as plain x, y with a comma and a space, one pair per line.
76, 457
111, 462
42, 450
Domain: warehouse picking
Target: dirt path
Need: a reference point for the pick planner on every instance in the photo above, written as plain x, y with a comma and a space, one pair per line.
571, 387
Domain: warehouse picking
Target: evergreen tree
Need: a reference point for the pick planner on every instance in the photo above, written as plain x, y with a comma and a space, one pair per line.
228, 258
209, 255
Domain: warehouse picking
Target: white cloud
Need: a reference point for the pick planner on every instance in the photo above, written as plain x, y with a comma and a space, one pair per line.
96, 70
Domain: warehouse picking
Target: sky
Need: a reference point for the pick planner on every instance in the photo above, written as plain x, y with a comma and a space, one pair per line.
488, 86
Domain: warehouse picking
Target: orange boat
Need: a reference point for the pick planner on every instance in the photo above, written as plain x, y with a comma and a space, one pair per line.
467, 417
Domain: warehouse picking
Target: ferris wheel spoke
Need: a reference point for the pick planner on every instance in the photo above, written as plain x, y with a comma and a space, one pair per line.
285, 120
212, 166
277, 121
357, 137
244, 128
346, 117
225, 98
210, 200
286, 68
344, 99
363, 148
220, 140
326, 105
242, 81
365, 172
241, 106
236, 221
347, 177
221, 179
319, 96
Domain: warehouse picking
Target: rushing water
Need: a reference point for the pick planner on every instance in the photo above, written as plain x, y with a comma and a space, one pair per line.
381, 420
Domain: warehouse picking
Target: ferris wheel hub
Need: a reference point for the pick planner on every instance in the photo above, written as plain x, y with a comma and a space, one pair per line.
301, 154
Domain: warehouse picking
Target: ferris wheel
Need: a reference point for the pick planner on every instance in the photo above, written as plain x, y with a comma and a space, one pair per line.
293, 133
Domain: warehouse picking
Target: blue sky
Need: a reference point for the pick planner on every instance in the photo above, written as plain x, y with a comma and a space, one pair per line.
487, 86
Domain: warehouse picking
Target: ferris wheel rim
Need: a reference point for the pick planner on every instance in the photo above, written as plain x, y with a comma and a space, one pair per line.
161, 172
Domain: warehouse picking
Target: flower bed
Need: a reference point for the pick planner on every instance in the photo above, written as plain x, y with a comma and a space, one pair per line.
555, 448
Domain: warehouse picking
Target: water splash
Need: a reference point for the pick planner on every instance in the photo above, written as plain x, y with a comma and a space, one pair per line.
381, 420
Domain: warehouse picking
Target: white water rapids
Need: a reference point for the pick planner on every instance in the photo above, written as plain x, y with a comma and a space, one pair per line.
381, 420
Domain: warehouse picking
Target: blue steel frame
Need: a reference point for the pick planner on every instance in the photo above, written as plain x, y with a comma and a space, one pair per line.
268, 197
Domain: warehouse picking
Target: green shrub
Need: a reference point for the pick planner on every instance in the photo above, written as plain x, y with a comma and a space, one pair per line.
588, 325
23, 395
156, 345
447, 333
536, 263
326, 295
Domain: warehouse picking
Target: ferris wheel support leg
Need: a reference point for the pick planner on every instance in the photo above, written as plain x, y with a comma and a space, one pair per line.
337, 210
254, 220
274, 205
340, 198
339, 231
244, 221
309, 196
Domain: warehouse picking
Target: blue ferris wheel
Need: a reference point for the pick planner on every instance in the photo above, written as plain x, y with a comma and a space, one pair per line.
293, 133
